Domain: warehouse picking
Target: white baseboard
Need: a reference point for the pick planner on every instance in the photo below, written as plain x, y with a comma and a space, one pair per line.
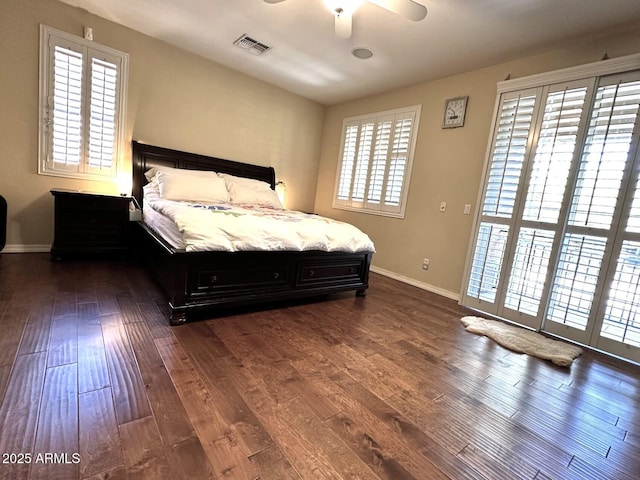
410, 281
18, 248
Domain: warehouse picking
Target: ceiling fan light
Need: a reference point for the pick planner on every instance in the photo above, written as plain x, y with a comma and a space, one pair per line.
338, 6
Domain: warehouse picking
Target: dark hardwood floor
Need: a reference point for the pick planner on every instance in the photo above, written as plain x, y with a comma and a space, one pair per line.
95, 384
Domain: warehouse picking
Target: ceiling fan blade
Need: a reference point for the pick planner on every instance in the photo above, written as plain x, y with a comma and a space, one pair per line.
405, 8
274, 1
343, 25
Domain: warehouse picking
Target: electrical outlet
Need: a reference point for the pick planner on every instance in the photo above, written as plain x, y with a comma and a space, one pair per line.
425, 264
467, 208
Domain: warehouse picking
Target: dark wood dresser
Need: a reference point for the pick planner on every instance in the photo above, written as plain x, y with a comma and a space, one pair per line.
89, 224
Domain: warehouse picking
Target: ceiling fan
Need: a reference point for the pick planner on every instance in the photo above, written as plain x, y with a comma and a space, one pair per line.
344, 9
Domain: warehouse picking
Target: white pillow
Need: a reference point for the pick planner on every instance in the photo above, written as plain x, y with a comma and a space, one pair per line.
151, 191
247, 191
181, 185
153, 171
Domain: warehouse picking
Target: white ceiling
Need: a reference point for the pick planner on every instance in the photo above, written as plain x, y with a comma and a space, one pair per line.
307, 58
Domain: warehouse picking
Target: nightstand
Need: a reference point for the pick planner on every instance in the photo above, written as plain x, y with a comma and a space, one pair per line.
89, 224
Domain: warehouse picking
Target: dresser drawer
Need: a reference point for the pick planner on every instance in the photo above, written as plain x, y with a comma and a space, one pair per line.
86, 203
95, 220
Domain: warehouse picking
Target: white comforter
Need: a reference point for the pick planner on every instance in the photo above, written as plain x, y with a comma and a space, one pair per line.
233, 228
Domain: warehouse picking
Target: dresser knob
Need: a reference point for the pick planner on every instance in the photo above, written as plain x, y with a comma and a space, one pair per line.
351, 269
276, 275
311, 273
214, 278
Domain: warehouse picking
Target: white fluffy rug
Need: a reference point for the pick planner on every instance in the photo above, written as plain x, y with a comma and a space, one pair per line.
522, 340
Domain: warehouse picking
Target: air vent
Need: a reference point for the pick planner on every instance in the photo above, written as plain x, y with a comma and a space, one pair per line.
252, 46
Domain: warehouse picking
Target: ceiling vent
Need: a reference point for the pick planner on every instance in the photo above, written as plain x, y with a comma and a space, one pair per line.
252, 46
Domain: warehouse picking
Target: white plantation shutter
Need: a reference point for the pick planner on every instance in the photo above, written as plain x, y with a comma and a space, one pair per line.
398, 160
508, 153
348, 162
379, 161
102, 116
375, 161
82, 97
557, 240
362, 162
67, 108
487, 261
547, 179
509, 150
554, 154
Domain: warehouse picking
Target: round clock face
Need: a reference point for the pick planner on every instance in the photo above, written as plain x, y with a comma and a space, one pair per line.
454, 112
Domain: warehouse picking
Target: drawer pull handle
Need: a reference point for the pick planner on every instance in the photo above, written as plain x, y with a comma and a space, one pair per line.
352, 270
311, 273
276, 275
214, 278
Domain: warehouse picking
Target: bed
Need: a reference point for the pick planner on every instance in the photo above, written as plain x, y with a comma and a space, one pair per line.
202, 279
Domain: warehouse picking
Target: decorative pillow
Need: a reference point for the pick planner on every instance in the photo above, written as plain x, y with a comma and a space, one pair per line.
247, 191
181, 185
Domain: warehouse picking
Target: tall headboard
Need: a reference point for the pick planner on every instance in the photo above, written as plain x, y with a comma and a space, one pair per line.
146, 156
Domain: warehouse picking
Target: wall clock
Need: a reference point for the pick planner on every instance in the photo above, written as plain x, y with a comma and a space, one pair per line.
454, 112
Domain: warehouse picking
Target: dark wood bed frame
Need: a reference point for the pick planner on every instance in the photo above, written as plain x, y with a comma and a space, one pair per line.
204, 280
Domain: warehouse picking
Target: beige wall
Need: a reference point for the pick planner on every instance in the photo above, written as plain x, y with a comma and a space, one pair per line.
176, 99
447, 163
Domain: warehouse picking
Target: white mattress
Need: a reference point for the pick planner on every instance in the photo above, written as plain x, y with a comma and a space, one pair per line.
164, 226
228, 227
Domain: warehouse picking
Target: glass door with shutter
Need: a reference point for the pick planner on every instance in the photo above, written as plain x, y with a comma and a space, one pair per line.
557, 245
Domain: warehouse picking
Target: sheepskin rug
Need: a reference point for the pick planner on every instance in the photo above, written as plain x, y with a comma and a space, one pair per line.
522, 340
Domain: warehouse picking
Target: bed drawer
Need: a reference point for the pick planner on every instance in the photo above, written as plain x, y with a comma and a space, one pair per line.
345, 270
239, 279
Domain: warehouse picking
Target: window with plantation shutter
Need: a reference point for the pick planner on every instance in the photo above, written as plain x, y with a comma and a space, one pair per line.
82, 98
375, 161
556, 243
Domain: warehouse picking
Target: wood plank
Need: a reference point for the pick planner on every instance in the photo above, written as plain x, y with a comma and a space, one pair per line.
275, 374
93, 372
100, 445
88, 313
63, 342
157, 322
487, 466
189, 461
395, 432
171, 417
118, 473
19, 412
128, 388
37, 329
12, 324
57, 433
211, 359
143, 347
219, 439
4, 381
323, 443
143, 450
65, 304
271, 463
128, 308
